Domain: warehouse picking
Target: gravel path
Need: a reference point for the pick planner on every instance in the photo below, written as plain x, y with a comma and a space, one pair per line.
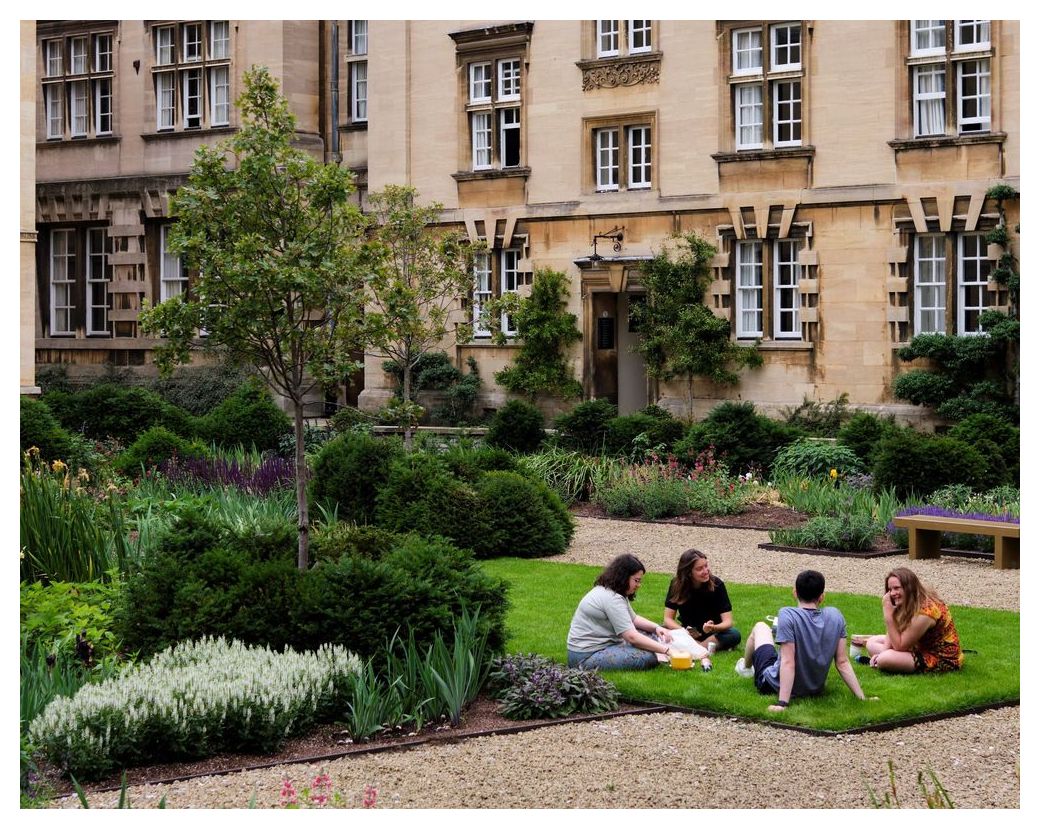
621, 763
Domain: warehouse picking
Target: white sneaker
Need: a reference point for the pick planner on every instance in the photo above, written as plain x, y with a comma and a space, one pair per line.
855, 652
743, 669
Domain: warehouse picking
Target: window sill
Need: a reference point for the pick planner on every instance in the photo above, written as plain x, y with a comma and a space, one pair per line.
72, 142
807, 151
623, 70
779, 345
480, 175
486, 342
194, 132
934, 141
354, 126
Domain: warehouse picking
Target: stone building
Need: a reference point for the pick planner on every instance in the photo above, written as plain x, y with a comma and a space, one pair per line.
840, 168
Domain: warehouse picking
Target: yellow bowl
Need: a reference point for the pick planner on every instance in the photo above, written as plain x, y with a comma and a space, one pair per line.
680, 661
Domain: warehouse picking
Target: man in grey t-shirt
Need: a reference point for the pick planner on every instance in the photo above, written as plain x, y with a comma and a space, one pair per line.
810, 637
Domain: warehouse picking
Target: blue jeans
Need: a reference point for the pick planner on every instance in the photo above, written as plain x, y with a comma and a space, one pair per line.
620, 657
727, 639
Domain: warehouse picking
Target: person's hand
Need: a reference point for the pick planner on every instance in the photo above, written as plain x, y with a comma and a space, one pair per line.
663, 634
708, 627
859, 640
886, 604
874, 660
696, 634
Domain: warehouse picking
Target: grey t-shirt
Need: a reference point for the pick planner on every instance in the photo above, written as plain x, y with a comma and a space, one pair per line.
602, 616
815, 633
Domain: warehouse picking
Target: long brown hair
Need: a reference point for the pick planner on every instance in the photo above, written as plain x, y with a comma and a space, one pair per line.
682, 583
915, 594
615, 575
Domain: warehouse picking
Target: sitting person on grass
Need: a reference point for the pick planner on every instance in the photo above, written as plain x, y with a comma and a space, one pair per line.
810, 638
702, 604
920, 635
605, 631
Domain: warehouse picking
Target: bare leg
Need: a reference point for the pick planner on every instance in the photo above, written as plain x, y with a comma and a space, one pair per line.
894, 662
877, 644
761, 634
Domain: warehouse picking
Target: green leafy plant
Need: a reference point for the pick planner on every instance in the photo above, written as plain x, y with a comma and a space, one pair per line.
468, 462
574, 476
680, 338
517, 426
523, 517
935, 797
152, 447
846, 532
349, 472
913, 463
249, 417
863, 432
53, 615
814, 458
460, 670
39, 428
629, 434
738, 436
821, 419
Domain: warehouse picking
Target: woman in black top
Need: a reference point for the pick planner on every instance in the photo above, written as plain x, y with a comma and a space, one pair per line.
701, 602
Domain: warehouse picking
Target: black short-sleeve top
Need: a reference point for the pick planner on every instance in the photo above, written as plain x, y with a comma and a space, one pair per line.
702, 605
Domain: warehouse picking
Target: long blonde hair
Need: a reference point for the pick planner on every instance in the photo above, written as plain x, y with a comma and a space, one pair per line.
915, 594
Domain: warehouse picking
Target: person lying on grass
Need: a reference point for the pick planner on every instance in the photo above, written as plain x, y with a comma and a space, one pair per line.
606, 633
701, 602
810, 637
919, 630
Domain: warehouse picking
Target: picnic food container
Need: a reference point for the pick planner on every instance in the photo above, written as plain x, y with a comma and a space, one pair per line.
680, 661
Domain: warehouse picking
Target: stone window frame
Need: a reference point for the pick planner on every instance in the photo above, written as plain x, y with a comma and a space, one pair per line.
68, 73
196, 75
623, 124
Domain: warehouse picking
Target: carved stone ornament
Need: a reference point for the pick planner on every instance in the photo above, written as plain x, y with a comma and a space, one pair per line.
620, 74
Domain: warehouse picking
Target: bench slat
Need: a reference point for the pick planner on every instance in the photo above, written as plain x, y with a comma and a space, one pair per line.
972, 526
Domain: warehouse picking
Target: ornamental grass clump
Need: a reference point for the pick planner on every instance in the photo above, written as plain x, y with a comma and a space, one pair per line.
193, 700
531, 687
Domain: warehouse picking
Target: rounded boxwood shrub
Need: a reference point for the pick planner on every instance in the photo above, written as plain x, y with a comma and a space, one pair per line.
422, 496
524, 518
248, 417
979, 427
814, 458
913, 463
585, 426
349, 472
517, 426
152, 447
38, 427
622, 432
330, 542
468, 464
863, 434
741, 437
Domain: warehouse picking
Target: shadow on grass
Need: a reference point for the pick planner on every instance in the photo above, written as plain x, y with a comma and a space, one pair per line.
543, 596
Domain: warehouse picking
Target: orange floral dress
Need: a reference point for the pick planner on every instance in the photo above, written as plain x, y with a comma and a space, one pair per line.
940, 647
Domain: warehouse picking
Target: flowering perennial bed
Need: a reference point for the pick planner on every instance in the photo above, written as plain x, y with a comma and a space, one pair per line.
192, 700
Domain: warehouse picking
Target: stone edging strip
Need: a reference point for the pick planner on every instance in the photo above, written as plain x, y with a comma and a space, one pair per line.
899, 551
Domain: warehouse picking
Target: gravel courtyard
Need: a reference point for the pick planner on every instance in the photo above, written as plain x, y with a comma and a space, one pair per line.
621, 763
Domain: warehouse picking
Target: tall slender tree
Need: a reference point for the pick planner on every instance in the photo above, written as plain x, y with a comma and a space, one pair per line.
274, 237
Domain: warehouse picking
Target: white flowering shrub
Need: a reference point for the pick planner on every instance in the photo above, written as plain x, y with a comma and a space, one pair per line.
192, 700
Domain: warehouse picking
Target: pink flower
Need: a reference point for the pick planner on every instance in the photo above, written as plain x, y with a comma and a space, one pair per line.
288, 794
321, 789
369, 800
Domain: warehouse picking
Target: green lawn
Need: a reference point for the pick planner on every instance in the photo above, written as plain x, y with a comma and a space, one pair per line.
543, 596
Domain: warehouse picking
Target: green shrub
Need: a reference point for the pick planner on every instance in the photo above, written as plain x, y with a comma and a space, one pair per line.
912, 463
248, 417
656, 498
330, 542
152, 447
863, 433
38, 427
622, 433
524, 518
741, 437
349, 419
982, 427
469, 463
120, 412
716, 495
200, 389
585, 426
814, 458
349, 472
421, 496
517, 426
820, 419
846, 533
574, 476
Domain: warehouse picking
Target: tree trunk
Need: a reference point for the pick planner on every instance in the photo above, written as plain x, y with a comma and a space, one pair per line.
303, 555
689, 398
406, 393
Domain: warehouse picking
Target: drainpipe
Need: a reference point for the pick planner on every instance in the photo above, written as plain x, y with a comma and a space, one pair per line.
336, 157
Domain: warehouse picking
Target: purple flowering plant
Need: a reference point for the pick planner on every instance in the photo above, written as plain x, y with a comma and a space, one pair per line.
529, 686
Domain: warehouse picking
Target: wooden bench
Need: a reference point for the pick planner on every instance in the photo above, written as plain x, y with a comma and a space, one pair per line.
926, 532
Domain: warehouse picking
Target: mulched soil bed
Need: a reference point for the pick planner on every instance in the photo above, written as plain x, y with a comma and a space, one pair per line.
755, 517
327, 742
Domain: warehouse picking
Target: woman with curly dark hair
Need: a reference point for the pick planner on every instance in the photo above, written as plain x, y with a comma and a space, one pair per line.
701, 602
606, 633
919, 631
